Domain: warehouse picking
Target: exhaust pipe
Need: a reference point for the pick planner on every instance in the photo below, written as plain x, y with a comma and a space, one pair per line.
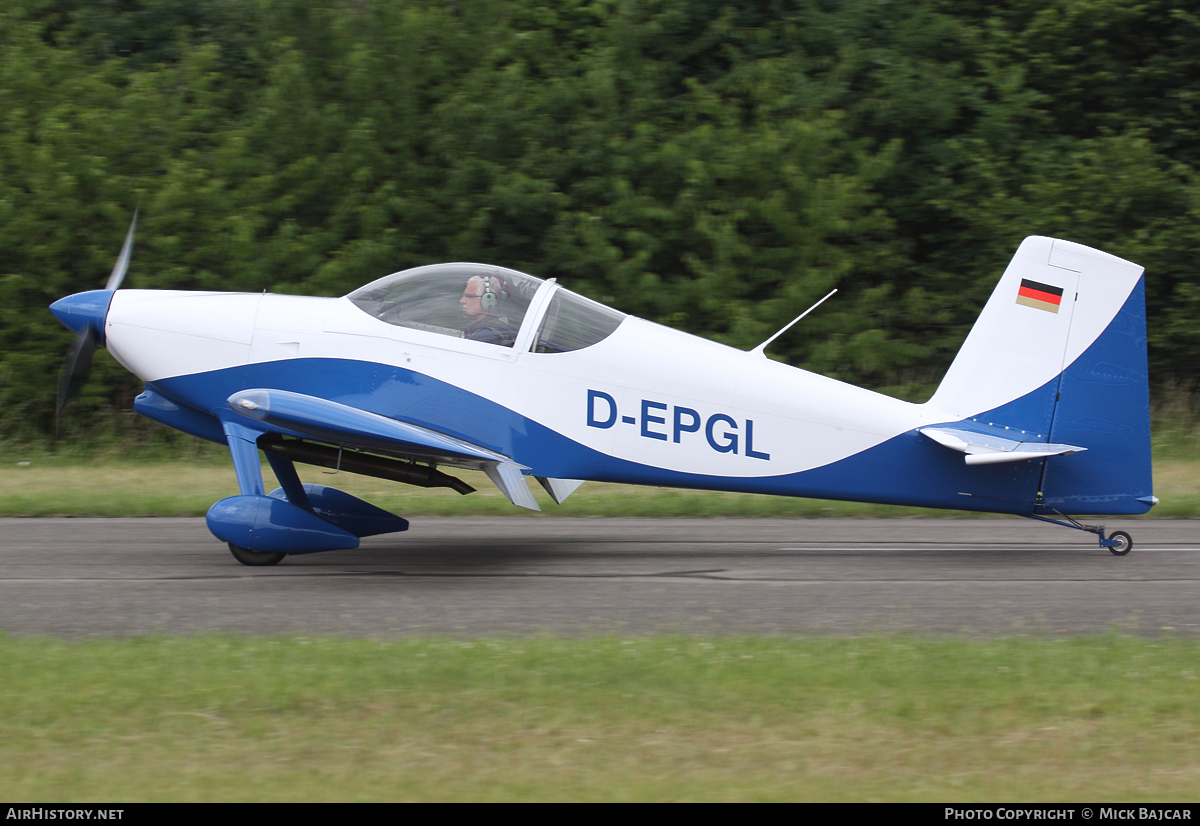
364, 464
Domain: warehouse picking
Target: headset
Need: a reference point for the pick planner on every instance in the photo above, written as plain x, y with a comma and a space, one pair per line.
494, 292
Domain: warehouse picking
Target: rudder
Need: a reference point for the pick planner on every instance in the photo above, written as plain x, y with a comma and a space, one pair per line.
1104, 405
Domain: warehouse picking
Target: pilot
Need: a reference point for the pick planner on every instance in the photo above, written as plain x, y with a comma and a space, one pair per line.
482, 305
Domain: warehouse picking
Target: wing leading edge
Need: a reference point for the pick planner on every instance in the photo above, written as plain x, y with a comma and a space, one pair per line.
340, 424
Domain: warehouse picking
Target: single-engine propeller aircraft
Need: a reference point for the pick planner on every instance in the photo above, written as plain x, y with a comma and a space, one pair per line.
1044, 412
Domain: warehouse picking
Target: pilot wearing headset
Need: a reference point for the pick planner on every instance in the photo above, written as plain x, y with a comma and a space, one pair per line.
482, 305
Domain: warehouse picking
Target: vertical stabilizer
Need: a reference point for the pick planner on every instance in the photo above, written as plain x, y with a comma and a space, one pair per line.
1060, 351
1019, 343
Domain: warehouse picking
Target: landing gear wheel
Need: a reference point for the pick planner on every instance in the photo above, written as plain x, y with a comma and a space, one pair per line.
1124, 543
256, 558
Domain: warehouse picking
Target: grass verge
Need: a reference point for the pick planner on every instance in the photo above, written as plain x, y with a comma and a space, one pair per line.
117, 488
113, 486
655, 718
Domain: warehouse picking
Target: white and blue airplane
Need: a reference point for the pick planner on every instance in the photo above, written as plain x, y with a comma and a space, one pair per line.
1044, 412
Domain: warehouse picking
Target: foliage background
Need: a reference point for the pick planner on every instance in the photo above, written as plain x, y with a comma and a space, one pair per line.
715, 166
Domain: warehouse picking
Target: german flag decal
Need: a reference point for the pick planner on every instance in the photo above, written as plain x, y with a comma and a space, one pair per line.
1039, 296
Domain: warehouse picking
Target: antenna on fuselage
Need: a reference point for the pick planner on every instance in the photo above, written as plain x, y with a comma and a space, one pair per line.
761, 349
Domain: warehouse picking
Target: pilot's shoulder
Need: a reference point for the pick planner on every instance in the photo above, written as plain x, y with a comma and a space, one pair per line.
496, 331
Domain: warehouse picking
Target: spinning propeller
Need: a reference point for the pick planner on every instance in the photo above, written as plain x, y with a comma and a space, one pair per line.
84, 313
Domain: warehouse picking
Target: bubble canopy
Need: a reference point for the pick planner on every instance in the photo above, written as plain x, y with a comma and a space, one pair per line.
486, 303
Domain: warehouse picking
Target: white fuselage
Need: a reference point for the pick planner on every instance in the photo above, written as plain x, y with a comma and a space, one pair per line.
645, 394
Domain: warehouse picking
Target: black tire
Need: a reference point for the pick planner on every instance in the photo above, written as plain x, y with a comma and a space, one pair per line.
254, 558
1124, 543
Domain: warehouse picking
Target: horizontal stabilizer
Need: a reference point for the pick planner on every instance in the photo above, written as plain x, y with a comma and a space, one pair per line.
987, 449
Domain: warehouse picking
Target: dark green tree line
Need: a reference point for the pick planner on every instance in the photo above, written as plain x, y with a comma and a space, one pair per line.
713, 166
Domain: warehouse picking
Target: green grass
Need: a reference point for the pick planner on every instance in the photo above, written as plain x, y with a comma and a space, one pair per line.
658, 718
184, 480
120, 488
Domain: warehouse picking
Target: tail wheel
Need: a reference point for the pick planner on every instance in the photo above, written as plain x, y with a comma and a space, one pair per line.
257, 559
1124, 543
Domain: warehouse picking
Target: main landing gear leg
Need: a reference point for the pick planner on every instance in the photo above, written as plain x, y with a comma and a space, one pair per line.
1118, 543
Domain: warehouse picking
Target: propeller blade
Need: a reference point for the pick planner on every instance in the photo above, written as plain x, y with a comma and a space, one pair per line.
74, 372
118, 273
79, 360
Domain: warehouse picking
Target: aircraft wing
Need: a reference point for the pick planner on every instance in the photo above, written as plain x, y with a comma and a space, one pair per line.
988, 449
340, 424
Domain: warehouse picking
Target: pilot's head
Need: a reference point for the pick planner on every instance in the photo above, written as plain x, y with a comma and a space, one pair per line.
483, 295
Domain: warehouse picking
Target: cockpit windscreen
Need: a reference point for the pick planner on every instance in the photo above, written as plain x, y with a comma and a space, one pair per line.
472, 301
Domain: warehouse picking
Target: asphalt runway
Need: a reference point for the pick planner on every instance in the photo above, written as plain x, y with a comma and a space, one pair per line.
476, 576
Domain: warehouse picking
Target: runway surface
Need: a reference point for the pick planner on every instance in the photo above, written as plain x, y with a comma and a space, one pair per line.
87, 577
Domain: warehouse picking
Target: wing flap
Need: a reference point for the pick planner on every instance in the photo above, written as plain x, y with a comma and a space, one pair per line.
507, 476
